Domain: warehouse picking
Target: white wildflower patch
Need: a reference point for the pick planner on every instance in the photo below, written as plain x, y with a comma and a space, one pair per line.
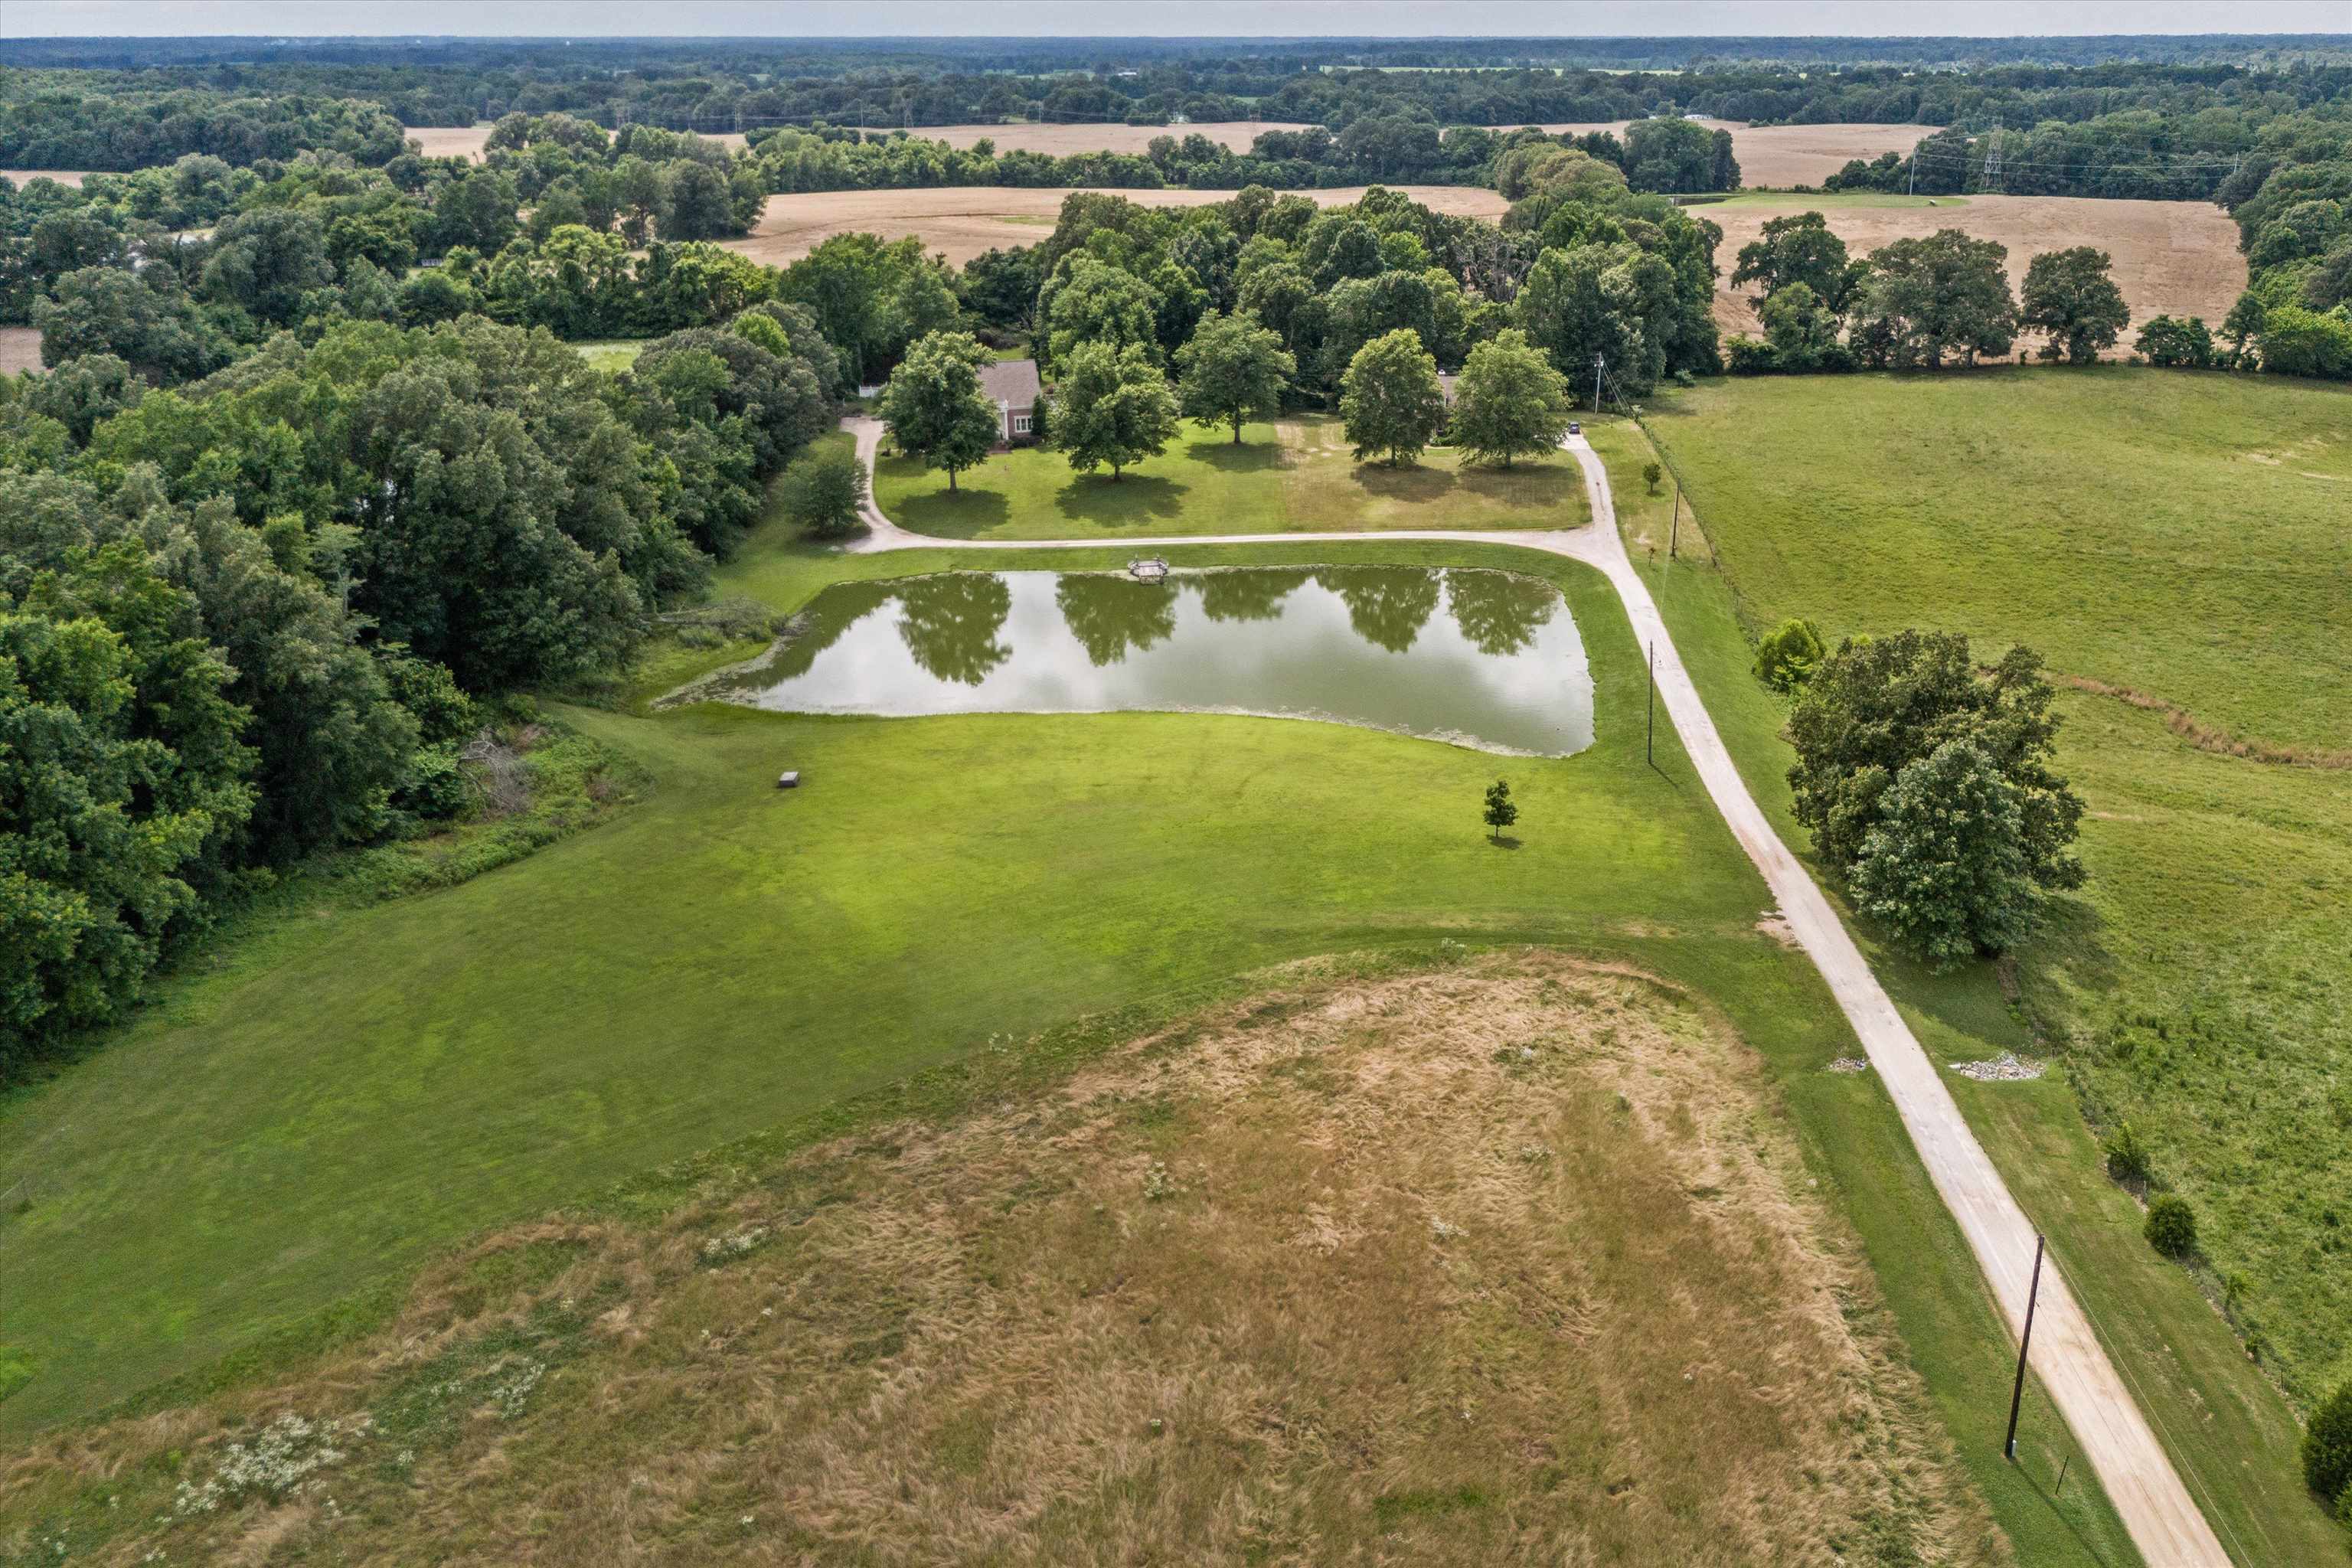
1445, 1230
727, 1248
1157, 1184
516, 1379
278, 1462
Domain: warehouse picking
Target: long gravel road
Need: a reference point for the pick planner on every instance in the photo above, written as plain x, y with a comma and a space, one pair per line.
2164, 1521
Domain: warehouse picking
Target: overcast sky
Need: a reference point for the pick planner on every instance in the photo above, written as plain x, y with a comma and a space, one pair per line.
1177, 18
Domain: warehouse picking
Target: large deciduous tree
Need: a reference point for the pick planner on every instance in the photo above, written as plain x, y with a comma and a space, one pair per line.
1586, 302
1798, 249
2069, 295
1390, 400
1509, 401
1091, 301
1234, 371
1923, 299
1112, 407
935, 408
1876, 714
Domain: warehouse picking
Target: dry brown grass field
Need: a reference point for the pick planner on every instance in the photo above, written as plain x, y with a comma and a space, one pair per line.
1512, 1260
1790, 154
961, 221
73, 177
2170, 258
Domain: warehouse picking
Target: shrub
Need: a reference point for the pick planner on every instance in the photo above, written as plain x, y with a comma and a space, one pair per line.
2327, 1446
1786, 658
2126, 1155
2172, 1227
1651, 474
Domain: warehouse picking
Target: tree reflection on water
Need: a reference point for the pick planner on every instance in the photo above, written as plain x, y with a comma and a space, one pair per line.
1388, 605
1498, 612
949, 624
1110, 615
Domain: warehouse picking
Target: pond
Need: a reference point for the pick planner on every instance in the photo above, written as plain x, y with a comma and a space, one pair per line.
1485, 660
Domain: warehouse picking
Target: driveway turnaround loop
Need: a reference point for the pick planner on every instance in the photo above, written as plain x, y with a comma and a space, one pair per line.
2147, 1491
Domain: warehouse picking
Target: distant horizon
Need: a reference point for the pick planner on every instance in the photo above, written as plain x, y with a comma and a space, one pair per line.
1292, 21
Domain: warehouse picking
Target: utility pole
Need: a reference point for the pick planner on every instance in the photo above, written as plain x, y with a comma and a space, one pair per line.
1650, 755
1596, 383
2017, 1393
1675, 530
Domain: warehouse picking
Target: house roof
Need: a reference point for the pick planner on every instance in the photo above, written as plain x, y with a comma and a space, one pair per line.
1011, 381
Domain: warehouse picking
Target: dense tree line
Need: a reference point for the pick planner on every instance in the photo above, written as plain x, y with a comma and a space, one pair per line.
66, 127
249, 618
364, 229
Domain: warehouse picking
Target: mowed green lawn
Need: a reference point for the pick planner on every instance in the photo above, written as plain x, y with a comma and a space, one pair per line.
2200, 985
1297, 476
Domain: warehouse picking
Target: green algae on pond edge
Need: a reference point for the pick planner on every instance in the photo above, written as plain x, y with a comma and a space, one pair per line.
1490, 660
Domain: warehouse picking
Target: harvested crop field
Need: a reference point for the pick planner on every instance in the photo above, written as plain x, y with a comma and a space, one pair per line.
2178, 259
1785, 155
1512, 1259
20, 349
468, 141
17, 177
961, 221
1234, 134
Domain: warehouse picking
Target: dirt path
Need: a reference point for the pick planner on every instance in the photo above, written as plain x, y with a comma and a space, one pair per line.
2139, 1479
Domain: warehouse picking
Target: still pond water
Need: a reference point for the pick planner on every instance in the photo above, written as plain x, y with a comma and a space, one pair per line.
1489, 659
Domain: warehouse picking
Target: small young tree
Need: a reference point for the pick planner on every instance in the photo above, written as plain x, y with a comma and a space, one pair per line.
2069, 296
1233, 369
1651, 474
2171, 1226
1390, 399
1788, 654
1113, 407
1509, 400
934, 407
824, 492
1500, 812
2127, 1155
2328, 1445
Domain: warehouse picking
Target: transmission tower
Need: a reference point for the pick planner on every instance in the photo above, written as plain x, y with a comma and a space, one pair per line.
1990, 179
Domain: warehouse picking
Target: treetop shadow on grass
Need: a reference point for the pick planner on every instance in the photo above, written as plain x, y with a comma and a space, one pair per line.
1128, 499
960, 514
1250, 456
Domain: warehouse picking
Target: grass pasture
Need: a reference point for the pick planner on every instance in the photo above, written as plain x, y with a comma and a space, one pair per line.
1589, 1296
1296, 476
725, 973
2179, 533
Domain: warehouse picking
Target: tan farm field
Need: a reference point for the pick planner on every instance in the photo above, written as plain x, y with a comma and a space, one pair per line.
1784, 156
468, 141
1236, 135
1430, 1268
20, 349
2176, 259
961, 221
17, 177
